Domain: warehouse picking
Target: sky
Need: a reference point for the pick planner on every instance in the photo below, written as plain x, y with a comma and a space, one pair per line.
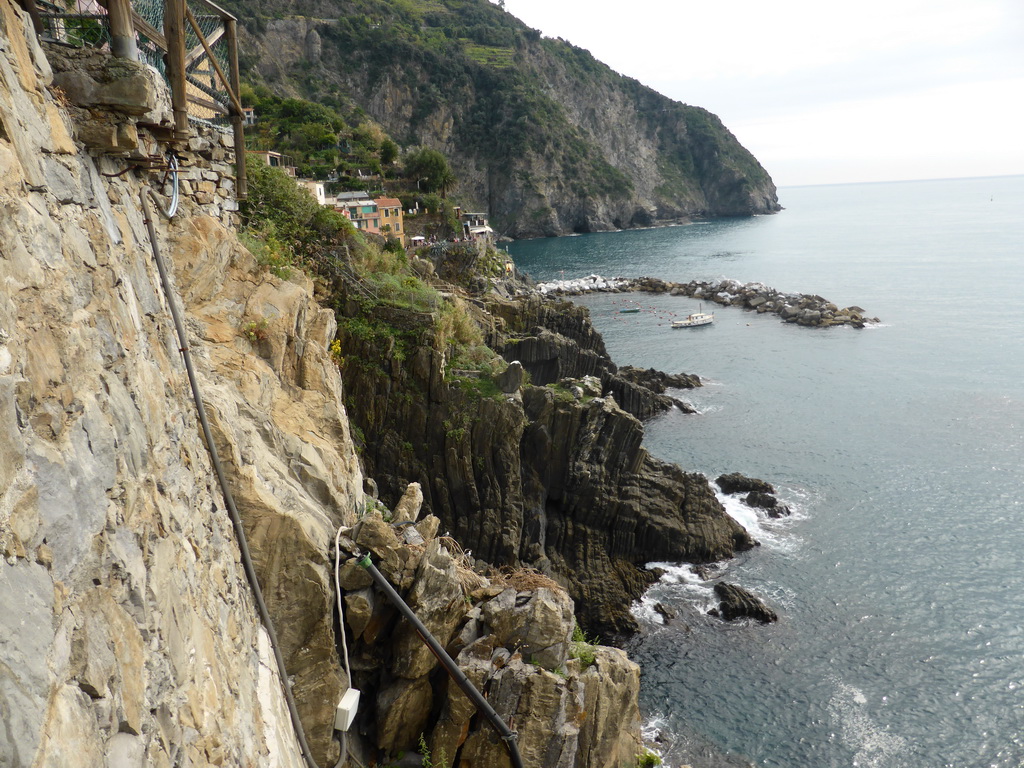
826, 92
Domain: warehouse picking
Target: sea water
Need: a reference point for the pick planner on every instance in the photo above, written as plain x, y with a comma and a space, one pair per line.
898, 578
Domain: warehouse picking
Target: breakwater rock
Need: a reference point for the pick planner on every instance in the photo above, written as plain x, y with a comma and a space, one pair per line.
799, 308
577, 285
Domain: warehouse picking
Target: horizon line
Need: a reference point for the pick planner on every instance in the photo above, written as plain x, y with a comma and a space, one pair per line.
902, 181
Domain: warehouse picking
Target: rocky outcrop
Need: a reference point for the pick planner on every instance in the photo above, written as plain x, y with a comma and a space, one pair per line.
555, 341
604, 506
768, 503
760, 494
512, 637
738, 483
739, 603
554, 477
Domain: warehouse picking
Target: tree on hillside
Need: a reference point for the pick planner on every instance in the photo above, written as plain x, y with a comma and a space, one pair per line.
388, 152
431, 168
277, 208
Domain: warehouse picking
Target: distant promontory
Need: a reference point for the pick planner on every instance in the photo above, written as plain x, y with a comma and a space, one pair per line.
541, 135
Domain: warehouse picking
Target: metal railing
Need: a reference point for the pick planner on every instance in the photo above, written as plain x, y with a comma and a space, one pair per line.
81, 24
193, 43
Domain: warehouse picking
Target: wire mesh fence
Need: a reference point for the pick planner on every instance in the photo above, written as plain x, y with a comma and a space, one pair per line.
207, 94
151, 49
79, 23
85, 23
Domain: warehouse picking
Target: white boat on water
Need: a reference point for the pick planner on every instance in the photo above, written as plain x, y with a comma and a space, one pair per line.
696, 319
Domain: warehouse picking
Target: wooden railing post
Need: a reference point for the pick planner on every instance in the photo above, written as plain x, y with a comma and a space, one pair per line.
237, 118
174, 33
122, 30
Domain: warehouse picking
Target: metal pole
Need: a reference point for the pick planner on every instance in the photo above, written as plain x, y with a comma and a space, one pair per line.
447, 661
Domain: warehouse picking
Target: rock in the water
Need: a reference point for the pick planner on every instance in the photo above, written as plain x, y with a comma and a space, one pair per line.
767, 502
666, 613
737, 483
738, 603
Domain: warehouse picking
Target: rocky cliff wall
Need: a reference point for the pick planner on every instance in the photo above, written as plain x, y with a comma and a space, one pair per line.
128, 635
555, 478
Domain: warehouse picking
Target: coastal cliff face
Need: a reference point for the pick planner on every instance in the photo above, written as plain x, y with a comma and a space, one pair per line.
552, 477
136, 637
542, 135
129, 635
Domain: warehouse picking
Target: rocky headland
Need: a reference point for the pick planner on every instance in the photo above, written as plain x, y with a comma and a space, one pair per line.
549, 473
546, 138
799, 308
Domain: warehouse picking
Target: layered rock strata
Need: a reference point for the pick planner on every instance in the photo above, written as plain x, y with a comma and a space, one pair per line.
572, 704
541, 476
131, 636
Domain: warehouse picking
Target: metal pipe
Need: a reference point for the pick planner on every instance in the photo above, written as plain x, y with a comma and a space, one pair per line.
229, 500
447, 661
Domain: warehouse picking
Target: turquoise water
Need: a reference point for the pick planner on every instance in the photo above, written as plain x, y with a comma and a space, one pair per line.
898, 580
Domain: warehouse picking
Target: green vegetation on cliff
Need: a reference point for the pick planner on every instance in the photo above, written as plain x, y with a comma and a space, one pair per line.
544, 135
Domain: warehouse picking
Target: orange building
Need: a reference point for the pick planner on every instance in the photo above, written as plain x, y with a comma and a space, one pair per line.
391, 221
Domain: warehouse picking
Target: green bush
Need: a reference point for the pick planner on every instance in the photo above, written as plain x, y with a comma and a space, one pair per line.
270, 252
279, 212
582, 649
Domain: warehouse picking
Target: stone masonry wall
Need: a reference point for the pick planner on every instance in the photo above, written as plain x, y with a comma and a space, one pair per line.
121, 108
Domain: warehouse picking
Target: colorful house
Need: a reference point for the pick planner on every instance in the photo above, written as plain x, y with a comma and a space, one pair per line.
360, 209
391, 219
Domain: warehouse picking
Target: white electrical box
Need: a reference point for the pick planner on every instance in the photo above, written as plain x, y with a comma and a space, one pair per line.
347, 708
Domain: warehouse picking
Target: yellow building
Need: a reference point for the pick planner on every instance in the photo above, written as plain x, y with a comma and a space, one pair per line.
391, 221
